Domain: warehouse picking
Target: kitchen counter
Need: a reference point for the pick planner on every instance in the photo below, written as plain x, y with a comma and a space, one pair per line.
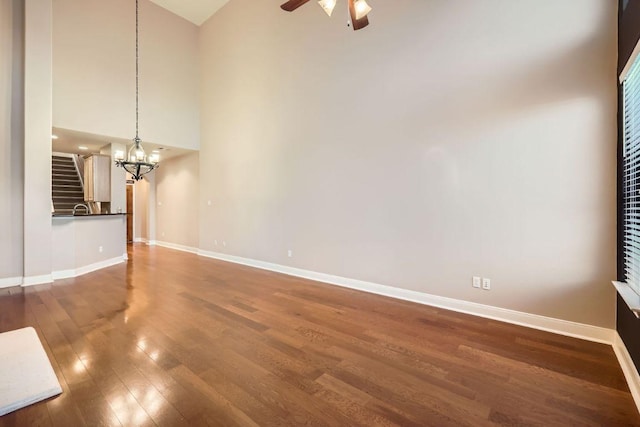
84, 243
85, 216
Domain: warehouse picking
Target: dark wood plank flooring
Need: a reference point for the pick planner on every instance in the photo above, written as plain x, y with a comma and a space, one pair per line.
171, 338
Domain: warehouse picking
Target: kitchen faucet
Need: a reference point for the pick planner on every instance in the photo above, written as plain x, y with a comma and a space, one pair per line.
81, 205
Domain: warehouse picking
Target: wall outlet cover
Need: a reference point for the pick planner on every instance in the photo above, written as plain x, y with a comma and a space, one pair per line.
476, 282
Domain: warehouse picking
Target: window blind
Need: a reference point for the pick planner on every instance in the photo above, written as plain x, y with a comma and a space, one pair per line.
631, 138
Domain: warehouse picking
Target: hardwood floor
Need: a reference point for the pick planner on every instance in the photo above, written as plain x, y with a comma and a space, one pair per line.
175, 339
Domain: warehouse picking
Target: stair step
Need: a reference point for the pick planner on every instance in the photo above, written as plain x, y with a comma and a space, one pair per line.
69, 200
62, 181
67, 187
57, 207
67, 190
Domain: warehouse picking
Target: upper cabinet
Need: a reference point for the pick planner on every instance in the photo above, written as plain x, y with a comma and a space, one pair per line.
97, 178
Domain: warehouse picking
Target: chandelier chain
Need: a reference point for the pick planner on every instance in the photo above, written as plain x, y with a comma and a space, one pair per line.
136, 161
137, 70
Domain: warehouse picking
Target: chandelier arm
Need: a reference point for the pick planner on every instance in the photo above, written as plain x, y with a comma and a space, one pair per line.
127, 168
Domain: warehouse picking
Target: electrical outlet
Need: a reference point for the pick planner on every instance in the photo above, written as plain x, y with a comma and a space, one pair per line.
208, 202
100, 249
215, 242
224, 243
476, 282
289, 253
163, 234
486, 284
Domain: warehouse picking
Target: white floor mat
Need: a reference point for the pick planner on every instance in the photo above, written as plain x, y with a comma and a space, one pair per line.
26, 375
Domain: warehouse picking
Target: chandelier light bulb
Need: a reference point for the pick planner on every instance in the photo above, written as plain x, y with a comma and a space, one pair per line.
328, 5
362, 9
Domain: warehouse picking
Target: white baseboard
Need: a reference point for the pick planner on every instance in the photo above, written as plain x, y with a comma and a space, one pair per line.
10, 282
67, 274
63, 274
145, 241
37, 280
558, 326
628, 368
177, 247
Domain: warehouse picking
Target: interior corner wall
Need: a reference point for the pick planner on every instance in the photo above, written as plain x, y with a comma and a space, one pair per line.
11, 137
94, 71
141, 211
446, 140
177, 193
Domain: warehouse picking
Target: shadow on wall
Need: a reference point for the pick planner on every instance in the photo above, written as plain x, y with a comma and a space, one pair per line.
15, 167
579, 301
575, 70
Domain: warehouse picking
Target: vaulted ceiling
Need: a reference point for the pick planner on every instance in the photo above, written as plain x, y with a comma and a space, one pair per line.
196, 11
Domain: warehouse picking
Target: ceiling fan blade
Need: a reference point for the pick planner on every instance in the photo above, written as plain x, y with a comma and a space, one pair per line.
358, 24
292, 5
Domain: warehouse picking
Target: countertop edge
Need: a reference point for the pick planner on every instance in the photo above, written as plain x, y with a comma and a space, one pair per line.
87, 216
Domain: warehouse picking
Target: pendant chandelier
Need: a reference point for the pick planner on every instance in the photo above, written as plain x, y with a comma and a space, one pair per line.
358, 10
137, 163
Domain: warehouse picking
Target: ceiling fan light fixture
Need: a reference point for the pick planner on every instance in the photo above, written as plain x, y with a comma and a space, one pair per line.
362, 9
328, 5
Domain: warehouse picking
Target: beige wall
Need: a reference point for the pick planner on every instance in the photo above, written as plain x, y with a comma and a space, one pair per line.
73, 250
11, 138
37, 141
94, 71
141, 210
177, 193
448, 139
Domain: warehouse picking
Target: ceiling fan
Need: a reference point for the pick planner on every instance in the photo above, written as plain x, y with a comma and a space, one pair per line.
358, 10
